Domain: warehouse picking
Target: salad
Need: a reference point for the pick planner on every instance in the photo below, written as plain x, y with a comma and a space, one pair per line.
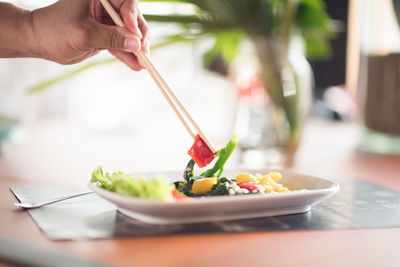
209, 183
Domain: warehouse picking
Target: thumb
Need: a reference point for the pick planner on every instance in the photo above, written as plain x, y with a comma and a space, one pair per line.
118, 38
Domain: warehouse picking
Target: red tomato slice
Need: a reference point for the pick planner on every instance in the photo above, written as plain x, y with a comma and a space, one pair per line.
200, 152
178, 195
251, 186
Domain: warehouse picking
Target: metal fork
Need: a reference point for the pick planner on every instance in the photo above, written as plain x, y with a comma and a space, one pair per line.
33, 205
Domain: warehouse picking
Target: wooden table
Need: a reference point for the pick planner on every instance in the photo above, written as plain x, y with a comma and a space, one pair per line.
328, 150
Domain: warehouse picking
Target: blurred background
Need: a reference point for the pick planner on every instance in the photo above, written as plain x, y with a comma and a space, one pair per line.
265, 79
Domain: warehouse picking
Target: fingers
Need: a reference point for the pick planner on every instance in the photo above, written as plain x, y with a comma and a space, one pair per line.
135, 22
128, 58
145, 33
122, 42
113, 37
130, 12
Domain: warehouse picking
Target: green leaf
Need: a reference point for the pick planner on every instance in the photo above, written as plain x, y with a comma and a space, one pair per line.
41, 86
183, 19
198, 3
316, 27
396, 5
226, 45
312, 15
223, 155
47, 83
125, 184
317, 47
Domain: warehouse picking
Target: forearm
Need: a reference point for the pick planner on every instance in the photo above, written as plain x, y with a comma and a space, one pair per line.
17, 38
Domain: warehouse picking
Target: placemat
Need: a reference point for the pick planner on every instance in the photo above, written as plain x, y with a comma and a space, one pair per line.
359, 204
20, 253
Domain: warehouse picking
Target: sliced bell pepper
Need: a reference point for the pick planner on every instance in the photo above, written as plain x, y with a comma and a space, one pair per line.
200, 152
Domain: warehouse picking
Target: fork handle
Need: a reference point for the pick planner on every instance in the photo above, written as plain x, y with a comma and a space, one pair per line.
54, 200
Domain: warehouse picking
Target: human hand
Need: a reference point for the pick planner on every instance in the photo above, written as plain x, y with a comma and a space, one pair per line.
70, 31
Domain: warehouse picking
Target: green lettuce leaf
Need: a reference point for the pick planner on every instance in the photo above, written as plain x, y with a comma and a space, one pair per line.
125, 184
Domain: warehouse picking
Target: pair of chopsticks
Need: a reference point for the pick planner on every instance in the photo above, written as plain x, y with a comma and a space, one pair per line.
162, 85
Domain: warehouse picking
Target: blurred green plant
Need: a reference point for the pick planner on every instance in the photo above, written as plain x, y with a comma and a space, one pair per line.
228, 22
270, 24
396, 5
49, 82
7, 125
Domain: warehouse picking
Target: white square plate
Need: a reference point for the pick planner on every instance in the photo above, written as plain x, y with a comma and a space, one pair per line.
221, 208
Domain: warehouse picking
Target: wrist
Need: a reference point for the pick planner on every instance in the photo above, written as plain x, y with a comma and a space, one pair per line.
17, 38
29, 34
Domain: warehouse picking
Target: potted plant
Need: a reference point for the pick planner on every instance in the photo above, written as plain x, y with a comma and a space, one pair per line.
272, 26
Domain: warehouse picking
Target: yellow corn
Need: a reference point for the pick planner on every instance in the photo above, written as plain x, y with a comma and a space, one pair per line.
202, 186
245, 177
278, 188
264, 180
285, 189
275, 175
275, 186
268, 188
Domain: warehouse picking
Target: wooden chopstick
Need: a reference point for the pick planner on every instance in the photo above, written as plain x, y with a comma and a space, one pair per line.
143, 57
162, 85
152, 74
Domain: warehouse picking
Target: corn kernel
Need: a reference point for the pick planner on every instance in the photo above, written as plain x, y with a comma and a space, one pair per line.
285, 189
275, 186
278, 188
268, 188
275, 175
202, 186
245, 177
264, 180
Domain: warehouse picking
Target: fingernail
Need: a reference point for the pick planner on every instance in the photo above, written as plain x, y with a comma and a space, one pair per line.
131, 44
143, 43
147, 47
